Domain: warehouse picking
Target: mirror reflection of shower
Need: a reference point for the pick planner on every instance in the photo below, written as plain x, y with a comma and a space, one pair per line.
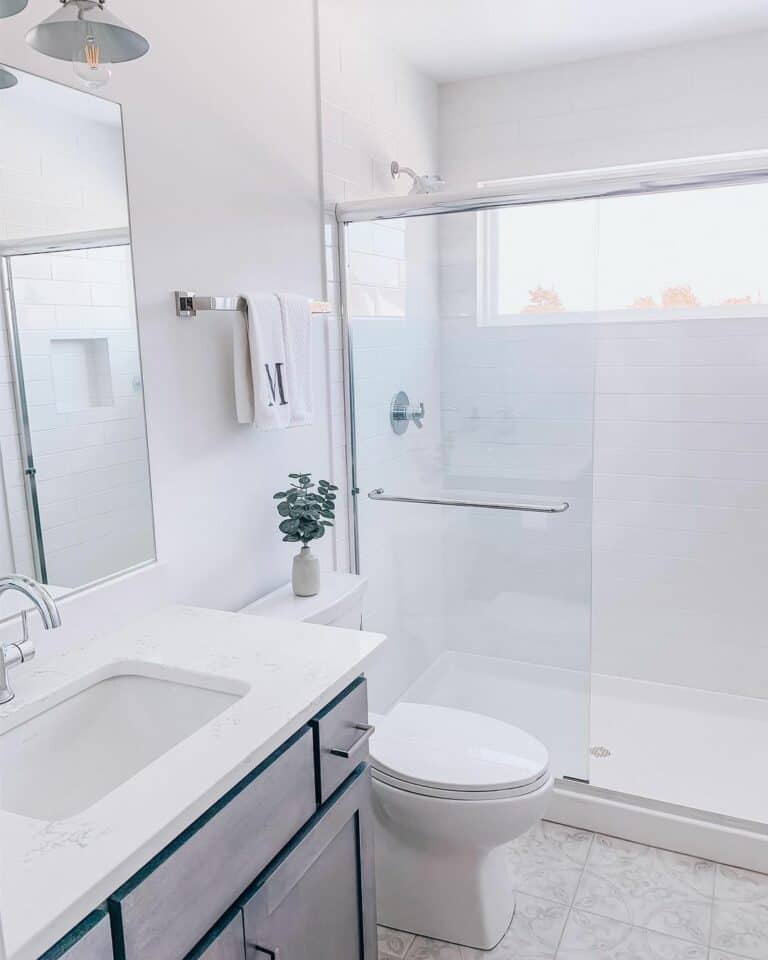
422, 183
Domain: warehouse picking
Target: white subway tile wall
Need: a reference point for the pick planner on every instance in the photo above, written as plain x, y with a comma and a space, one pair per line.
83, 384
681, 407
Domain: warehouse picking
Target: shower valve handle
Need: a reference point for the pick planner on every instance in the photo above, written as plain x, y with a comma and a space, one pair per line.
401, 413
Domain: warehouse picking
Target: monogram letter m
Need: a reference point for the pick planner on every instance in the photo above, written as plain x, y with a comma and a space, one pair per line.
275, 385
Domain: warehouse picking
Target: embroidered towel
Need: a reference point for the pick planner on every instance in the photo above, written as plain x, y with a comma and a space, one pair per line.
297, 335
261, 396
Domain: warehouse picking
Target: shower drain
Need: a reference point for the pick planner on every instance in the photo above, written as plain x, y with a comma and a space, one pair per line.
600, 752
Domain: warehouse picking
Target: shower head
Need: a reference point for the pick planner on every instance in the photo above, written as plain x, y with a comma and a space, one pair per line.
422, 183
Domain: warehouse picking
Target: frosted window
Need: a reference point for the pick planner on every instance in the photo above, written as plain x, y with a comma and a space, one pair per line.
697, 252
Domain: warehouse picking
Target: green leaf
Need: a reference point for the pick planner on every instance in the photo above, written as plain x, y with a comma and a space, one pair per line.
320, 532
294, 476
291, 538
278, 496
289, 526
326, 523
284, 509
332, 486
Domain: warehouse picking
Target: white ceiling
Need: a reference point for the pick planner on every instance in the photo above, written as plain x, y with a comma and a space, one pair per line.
457, 39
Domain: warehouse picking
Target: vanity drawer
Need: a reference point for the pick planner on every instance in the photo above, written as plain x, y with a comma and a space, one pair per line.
163, 912
90, 940
227, 942
341, 737
318, 900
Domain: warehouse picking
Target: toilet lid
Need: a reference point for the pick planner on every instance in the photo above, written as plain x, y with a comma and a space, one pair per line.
449, 749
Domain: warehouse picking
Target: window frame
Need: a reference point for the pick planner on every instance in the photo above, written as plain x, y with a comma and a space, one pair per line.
487, 275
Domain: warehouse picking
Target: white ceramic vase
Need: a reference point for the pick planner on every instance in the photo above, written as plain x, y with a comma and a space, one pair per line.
306, 574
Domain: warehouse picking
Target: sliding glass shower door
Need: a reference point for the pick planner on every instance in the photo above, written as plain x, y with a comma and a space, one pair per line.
472, 417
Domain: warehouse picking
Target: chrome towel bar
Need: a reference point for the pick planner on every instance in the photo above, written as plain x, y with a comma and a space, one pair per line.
188, 304
561, 507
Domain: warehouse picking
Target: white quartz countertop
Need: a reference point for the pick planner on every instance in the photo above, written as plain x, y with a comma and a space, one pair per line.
54, 873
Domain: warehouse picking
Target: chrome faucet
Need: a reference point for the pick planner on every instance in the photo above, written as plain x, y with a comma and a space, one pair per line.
12, 654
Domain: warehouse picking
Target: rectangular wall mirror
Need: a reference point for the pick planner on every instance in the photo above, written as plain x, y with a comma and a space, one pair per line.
75, 503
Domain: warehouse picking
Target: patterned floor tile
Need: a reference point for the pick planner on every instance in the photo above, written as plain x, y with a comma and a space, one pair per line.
548, 861
534, 933
740, 920
425, 949
645, 887
393, 944
588, 937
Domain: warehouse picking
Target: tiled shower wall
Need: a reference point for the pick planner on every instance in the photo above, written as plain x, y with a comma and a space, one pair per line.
517, 408
76, 320
680, 449
375, 109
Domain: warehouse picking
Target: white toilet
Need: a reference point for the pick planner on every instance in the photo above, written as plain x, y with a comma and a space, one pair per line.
451, 789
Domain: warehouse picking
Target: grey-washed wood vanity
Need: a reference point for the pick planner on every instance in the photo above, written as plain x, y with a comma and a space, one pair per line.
281, 868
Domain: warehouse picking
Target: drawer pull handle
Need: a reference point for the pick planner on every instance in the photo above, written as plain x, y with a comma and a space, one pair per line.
273, 954
367, 729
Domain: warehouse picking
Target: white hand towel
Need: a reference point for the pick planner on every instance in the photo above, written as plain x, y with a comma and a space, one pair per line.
297, 335
261, 395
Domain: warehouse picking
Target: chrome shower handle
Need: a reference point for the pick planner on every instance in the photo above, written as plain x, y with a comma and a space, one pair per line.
402, 413
559, 507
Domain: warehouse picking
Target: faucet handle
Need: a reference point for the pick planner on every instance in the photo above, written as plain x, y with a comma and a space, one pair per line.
16, 653
27, 646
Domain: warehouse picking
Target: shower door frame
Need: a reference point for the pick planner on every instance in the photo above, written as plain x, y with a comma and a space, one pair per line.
629, 180
578, 803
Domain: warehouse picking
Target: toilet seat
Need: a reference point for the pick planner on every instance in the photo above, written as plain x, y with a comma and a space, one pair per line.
470, 795
454, 754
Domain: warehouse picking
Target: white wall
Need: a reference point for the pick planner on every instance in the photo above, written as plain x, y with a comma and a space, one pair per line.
375, 108
680, 478
223, 168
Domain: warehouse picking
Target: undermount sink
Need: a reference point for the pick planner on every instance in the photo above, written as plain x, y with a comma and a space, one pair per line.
70, 755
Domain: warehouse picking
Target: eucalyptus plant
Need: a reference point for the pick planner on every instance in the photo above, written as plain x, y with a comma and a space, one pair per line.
306, 511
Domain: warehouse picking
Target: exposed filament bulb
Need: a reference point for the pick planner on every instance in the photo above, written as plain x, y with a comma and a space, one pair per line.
89, 66
91, 51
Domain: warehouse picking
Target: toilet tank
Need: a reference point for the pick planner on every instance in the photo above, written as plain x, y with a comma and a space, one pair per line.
339, 603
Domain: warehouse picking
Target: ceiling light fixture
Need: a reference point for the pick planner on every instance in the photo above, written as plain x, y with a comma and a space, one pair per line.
86, 34
9, 8
7, 79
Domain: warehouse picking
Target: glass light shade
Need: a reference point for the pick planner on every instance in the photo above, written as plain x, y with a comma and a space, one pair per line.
9, 8
78, 22
89, 67
7, 79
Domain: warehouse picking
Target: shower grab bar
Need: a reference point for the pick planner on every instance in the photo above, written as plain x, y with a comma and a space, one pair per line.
379, 494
